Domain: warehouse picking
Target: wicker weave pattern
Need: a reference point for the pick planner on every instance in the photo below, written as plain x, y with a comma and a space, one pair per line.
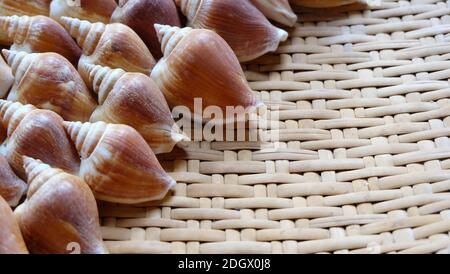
364, 158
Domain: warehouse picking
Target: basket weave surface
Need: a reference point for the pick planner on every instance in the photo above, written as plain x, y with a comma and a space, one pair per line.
363, 164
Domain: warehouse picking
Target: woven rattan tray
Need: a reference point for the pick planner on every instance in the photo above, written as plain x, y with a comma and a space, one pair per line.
363, 162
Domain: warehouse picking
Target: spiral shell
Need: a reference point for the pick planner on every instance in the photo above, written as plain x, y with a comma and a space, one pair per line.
49, 81
39, 34
11, 187
91, 10
117, 163
21, 7
114, 45
240, 23
277, 10
198, 63
11, 240
135, 100
65, 206
6, 78
141, 14
36, 133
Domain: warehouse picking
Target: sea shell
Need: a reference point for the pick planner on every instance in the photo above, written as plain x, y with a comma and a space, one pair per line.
240, 23
117, 163
24, 7
135, 100
49, 81
36, 133
198, 63
12, 187
113, 45
91, 10
140, 15
277, 10
323, 4
11, 240
21, 7
39, 34
59, 214
6, 78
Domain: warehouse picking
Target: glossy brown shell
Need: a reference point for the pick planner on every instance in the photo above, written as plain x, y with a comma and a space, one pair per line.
140, 15
118, 164
40, 34
239, 23
201, 65
135, 100
63, 205
41, 135
49, 81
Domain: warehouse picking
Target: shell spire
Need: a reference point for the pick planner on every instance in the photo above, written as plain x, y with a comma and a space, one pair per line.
13, 58
64, 204
117, 163
170, 37
85, 136
37, 173
12, 113
86, 34
16, 60
10, 24
103, 79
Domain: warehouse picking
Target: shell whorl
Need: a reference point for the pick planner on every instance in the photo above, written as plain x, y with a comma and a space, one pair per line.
38, 173
86, 33
189, 7
16, 27
12, 113
16, 59
103, 79
86, 136
170, 37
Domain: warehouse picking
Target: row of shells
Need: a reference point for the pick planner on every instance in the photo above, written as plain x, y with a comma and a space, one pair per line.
88, 102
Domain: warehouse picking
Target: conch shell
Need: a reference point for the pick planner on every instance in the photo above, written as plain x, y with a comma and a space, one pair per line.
135, 100
11, 240
198, 63
277, 10
91, 10
36, 133
240, 23
324, 4
140, 15
12, 187
114, 45
49, 81
21, 7
39, 34
60, 214
6, 78
117, 163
